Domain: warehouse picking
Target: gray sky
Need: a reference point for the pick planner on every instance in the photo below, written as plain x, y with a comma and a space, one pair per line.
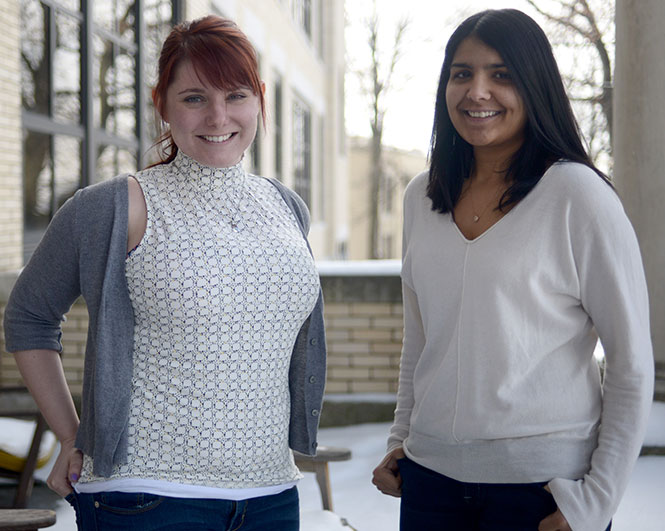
410, 111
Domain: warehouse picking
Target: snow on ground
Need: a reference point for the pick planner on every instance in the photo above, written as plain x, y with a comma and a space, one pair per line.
366, 509
372, 268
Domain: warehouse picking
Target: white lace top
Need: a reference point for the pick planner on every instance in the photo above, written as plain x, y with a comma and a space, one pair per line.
220, 285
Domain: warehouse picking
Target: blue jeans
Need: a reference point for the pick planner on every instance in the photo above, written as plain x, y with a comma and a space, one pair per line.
434, 502
149, 512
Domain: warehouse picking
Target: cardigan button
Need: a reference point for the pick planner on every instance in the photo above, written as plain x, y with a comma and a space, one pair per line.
313, 341
315, 412
96, 505
312, 379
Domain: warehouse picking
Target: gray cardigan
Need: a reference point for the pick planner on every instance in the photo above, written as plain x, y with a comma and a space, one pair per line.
83, 253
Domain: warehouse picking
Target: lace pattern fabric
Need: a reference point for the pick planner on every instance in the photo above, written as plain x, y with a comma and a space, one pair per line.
220, 285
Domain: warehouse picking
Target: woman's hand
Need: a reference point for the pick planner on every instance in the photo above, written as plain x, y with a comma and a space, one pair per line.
67, 469
555, 521
386, 476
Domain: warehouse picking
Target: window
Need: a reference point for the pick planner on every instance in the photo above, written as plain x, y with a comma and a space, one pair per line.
255, 148
302, 151
302, 14
85, 104
278, 125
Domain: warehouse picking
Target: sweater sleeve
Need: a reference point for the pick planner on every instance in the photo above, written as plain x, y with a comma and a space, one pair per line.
412, 347
413, 341
613, 291
46, 288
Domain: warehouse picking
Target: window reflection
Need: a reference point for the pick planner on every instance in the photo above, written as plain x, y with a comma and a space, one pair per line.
302, 150
67, 71
63, 151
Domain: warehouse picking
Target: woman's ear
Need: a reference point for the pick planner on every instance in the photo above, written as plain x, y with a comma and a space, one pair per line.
263, 88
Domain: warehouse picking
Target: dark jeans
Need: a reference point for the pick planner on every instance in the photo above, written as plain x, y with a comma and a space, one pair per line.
148, 512
434, 502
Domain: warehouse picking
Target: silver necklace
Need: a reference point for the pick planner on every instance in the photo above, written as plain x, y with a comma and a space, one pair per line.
235, 213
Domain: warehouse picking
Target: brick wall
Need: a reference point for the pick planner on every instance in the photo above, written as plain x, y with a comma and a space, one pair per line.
11, 215
73, 341
363, 316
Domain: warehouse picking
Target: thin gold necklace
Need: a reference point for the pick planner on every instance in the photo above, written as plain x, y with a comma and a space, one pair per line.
476, 217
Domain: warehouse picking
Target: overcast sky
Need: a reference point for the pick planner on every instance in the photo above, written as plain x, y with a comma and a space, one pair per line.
410, 111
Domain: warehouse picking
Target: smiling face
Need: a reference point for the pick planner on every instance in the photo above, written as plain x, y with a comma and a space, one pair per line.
212, 126
483, 103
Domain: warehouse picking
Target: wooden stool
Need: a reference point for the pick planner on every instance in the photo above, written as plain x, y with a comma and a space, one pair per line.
319, 465
26, 519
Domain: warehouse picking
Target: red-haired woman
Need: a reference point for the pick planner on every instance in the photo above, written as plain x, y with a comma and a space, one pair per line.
205, 360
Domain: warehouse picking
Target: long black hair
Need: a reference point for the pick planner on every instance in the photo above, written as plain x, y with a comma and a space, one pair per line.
551, 130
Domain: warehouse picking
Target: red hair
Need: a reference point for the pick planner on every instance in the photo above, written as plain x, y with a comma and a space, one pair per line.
219, 52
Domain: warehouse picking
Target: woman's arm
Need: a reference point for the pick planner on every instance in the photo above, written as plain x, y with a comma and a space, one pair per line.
613, 292
43, 374
137, 214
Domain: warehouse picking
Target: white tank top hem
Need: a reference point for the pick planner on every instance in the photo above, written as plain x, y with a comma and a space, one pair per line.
179, 490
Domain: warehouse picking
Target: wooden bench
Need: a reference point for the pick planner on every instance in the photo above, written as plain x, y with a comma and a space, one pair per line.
26, 519
16, 402
319, 465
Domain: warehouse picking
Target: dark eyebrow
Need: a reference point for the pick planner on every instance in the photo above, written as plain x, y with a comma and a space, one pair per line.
202, 91
491, 66
195, 90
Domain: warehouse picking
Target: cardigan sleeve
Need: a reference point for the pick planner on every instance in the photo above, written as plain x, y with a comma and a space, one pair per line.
613, 292
46, 288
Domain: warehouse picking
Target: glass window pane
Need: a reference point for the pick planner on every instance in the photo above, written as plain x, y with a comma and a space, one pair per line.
72, 5
114, 95
277, 127
113, 161
115, 16
67, 74
157, 17
67, 168
121, 81
302, 168
37, 179
34, 60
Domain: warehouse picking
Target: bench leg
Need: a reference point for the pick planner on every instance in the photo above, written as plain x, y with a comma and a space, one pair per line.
27, 480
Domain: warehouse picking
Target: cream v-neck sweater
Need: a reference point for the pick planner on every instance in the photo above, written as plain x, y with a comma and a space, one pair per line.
498, 383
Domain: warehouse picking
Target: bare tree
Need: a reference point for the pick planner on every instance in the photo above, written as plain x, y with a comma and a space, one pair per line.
377, 82
577, 26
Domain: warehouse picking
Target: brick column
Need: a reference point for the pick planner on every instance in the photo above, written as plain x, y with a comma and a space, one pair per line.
11, 213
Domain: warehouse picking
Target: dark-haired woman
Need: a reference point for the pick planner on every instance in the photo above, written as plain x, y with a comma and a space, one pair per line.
205, 358
517, 257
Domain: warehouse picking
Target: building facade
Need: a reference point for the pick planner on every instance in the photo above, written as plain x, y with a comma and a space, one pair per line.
75, 107
399, 167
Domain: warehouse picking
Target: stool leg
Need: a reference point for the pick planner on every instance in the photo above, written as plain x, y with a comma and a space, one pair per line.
323, 479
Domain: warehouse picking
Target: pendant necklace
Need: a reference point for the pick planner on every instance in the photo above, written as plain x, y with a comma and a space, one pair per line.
476, 217
231, 205
235, 213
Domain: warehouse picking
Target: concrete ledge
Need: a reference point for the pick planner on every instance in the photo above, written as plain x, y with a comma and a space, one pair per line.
347, 410
361, 289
